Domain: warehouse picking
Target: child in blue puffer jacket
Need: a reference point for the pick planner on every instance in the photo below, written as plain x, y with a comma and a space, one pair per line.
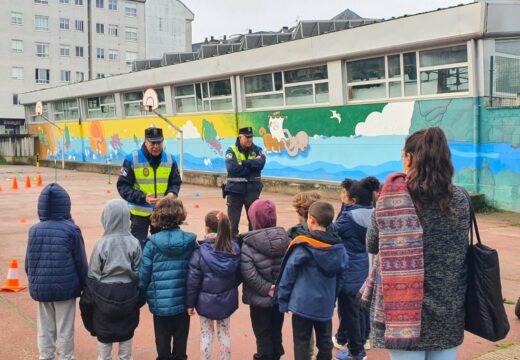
163, 275
213, 282
351, 224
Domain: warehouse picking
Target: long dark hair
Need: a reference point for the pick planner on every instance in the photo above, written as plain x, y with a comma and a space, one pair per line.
431, 171
218, 222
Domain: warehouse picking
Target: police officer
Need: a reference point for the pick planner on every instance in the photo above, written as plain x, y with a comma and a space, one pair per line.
147, 175
244, 162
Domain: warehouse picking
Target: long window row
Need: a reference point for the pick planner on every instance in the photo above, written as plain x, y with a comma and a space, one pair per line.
401, 75
43, 76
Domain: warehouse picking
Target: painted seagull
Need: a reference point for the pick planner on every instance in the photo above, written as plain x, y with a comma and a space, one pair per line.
336, 115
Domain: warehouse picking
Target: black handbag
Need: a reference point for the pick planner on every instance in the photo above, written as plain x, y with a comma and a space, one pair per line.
485, 313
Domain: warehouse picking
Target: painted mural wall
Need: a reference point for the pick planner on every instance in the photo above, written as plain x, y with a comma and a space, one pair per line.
328, 143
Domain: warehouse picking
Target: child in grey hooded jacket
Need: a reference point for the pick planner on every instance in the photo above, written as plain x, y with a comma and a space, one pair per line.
110, 302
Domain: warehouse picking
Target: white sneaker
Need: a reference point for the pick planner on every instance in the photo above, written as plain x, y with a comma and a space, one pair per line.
337, 345
367, 345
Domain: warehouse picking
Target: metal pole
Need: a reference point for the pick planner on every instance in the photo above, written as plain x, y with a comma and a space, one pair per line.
62, 137
491, 81
109, 170
63, 149
181, 157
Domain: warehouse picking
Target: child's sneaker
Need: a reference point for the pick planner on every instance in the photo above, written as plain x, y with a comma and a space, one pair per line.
345, 355
338, 345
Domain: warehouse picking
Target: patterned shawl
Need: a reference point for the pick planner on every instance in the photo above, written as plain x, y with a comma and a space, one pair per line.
394, 289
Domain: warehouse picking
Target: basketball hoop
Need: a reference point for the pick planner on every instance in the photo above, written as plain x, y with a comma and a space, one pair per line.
38, 108
150, 100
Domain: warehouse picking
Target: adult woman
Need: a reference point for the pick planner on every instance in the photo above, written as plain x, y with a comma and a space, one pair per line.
420, 233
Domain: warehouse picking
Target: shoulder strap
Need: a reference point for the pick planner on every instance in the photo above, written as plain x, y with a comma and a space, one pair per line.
472, 218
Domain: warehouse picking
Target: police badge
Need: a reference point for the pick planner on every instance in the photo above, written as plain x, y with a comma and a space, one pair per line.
146, 172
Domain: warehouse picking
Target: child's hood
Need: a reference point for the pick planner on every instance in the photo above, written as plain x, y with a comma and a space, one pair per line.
174, 242
220, 262
54, 203
116, 218
331, 260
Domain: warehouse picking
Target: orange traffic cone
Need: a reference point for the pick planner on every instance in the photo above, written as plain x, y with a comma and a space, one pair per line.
12, 283
28, 182
15, 183
0, 188
40, 182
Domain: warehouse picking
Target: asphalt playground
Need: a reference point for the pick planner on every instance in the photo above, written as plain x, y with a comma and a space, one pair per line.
90, 191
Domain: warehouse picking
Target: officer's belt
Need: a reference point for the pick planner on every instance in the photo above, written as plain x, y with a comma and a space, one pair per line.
244, 179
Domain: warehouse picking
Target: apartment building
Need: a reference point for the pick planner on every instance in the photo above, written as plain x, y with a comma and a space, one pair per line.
48, 43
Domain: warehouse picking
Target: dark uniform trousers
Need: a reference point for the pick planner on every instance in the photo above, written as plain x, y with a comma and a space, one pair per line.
235, 202
139, 228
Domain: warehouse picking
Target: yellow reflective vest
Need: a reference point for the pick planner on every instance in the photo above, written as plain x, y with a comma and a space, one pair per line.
149, 181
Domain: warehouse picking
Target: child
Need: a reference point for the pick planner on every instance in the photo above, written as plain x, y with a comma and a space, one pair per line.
110, 301
311, 276
163, 275
301, 203
352, 222
262, 254
213, 282
56, 266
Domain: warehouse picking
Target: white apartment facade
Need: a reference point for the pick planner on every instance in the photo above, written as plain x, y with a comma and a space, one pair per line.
48, 43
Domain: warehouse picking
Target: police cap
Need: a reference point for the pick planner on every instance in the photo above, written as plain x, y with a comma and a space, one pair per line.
246, 131
153, 134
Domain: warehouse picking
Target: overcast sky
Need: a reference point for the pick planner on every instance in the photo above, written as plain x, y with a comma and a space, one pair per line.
227, 17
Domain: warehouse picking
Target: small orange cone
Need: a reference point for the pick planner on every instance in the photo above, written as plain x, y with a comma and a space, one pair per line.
12, 283
15, 183
197, 206
40, 182
0, 188
22, 220
28, 182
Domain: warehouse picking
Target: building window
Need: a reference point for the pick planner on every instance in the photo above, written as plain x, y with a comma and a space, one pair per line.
100, 4
41, 23
17, 46
15, 99
64, 24
130, 9
100, 28
66, 109
65, 76
287, 88
203, 97
444, 70
78, 25
41, 2
113, 55
64, 50
101, 107
112, 30
42, 76
131, 33
78, 2
100, 53
130, 57
80, 76
426, 72
16, 18
100, 76
17, 73
79, 51
112, 5
42, 49
132, 103
64, 1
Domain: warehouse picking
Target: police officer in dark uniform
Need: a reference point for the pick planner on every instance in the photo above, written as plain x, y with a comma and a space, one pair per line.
244, 162
147, 175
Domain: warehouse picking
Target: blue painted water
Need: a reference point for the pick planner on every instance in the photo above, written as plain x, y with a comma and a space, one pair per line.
325, 158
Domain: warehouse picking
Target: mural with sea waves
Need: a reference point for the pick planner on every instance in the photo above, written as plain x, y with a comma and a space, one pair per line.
326, 143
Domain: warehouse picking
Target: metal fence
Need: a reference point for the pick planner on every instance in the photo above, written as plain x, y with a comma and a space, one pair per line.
504, 88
